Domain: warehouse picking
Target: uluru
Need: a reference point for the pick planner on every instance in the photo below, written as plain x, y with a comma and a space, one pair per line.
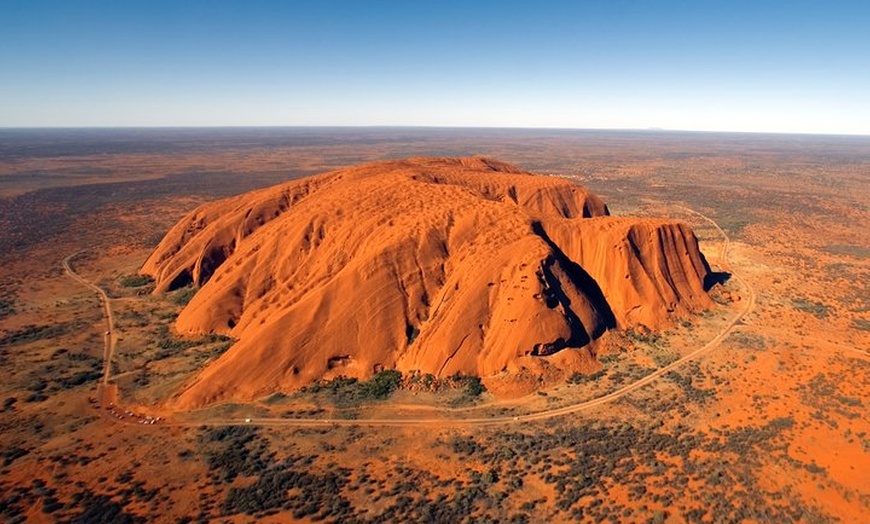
436, 265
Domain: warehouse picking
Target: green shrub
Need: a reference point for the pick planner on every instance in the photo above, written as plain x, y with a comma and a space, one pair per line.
580, 378
816, 309
32, 333
643, 335
136, 280
231, 451
472, 388
183, 296
748, 340
350, 391
382, 385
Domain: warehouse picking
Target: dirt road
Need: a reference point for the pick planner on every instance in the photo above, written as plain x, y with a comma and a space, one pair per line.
471, 421
109, 338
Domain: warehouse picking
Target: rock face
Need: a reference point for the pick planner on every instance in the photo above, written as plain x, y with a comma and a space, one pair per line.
439, 265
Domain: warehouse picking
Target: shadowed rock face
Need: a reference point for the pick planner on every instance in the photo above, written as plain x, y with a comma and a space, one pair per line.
439, 265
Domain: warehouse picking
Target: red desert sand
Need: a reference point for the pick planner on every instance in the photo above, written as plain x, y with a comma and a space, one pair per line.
438, 265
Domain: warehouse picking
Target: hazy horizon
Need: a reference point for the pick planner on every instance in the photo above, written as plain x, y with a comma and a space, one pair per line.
411, 127
781, 67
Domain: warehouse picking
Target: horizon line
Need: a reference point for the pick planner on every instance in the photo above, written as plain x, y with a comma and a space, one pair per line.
412, 126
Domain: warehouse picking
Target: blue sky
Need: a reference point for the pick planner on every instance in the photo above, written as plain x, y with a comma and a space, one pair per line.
790, 66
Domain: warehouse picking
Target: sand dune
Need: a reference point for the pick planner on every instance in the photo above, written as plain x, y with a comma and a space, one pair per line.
439, 265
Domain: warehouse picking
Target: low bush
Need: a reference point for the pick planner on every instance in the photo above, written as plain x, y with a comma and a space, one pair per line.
32, 333
472, 388
350, 391
581, 378
183, 296
136, 281
231, 451
817, 309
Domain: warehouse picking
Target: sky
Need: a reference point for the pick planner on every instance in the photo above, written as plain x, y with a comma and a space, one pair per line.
760, 66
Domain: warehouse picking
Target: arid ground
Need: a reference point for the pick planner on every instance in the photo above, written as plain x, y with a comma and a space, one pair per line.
754, 411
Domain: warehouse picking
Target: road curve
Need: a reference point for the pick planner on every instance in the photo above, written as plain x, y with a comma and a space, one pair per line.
404, 422
109, 337
541, 415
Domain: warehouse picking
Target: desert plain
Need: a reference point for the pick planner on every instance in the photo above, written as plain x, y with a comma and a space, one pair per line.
752, 408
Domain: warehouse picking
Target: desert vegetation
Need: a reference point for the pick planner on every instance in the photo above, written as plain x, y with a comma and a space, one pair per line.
343, 391
733, 435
